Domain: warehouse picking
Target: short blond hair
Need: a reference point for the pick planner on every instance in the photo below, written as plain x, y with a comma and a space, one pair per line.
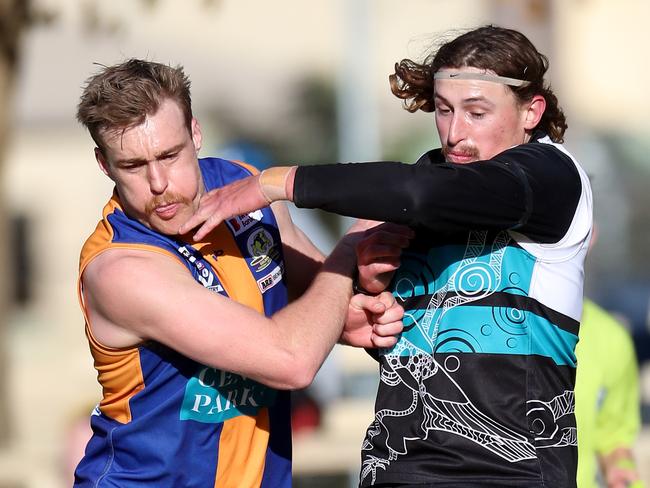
122, 95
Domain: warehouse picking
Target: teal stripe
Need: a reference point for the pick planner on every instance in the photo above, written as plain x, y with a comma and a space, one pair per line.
442, 271
491, 330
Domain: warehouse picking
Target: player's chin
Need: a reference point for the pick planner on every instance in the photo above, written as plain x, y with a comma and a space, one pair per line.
167, 227
170, 226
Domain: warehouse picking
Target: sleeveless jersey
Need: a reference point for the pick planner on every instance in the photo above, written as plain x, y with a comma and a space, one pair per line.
166, 420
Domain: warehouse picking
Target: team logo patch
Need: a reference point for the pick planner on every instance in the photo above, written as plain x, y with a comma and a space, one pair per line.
204, 275
241, 223
270, 280
262, 248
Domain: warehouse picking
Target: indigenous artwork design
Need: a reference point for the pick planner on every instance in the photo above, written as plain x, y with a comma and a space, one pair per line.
437, 401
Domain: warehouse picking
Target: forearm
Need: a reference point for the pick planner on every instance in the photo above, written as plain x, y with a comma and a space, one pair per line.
300, 272
532, 188
440, 197
312, 324
302, 258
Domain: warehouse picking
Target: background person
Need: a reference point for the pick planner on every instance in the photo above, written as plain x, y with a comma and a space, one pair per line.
607, 402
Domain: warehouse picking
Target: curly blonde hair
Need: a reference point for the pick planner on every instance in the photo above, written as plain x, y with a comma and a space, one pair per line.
507, 52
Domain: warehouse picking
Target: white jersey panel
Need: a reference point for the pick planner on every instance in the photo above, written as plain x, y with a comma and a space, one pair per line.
558, 276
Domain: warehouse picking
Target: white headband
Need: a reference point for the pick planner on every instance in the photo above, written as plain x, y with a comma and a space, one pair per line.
470, 75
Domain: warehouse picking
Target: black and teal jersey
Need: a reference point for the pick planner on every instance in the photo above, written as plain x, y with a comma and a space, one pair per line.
478, 391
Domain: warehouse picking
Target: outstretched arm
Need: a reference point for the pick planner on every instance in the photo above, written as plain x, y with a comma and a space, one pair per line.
170, 307
533, 188
618, 419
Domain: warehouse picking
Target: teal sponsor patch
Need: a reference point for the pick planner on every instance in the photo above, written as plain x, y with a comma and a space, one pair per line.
214, 396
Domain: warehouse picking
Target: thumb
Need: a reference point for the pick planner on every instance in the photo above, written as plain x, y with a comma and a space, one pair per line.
386, 298
368, 303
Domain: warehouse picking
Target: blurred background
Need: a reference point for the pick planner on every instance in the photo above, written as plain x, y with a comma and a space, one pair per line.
280, 82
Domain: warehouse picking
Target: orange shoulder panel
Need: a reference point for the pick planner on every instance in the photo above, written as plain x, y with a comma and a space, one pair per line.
118, 370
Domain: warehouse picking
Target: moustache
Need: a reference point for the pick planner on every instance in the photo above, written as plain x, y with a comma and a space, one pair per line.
166, 199
471, 151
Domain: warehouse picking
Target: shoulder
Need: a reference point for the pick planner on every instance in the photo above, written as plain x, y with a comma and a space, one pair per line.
228, 163
604, 338
117, 230
541, 156
559, 195
130, 293
122, 267
549, 169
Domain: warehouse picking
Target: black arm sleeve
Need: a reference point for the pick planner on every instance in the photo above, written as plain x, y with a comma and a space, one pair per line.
533, 188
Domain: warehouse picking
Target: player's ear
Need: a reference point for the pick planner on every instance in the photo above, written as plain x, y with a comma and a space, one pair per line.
534, 109
101, 161
197, 136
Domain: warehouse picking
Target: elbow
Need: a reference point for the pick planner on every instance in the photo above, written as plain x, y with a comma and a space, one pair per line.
422, 207
298, 374
300, 382
303, 375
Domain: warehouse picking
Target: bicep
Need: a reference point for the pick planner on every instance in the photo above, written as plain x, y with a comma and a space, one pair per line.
150, 297
553, 189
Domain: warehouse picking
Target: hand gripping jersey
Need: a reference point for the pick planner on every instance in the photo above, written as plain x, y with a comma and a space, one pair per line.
478, 391
166, 420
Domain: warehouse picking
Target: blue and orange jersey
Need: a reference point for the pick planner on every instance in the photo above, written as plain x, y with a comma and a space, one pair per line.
164, 419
